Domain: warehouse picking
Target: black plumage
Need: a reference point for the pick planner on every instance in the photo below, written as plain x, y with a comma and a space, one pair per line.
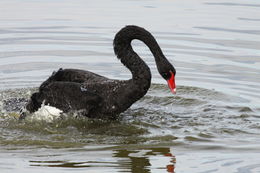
97, 96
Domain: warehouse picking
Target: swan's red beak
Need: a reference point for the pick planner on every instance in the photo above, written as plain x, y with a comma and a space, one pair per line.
171, 83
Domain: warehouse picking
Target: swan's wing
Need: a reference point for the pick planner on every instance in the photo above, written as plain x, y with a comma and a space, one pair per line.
73, 75
66, 96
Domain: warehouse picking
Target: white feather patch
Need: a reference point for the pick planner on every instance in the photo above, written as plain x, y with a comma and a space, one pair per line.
46, 113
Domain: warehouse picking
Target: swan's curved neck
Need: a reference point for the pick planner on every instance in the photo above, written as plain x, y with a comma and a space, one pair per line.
124, 51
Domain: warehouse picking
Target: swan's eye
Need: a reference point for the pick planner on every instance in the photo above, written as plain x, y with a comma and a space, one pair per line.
166, 75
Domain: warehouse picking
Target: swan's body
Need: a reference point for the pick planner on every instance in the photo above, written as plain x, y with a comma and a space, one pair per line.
98, 96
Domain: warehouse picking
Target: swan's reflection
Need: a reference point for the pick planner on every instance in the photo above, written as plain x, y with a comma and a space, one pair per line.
136, 160
145, 160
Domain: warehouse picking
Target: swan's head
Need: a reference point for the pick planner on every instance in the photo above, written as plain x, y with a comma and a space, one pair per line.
168, 72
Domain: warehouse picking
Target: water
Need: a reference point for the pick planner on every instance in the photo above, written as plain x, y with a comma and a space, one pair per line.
211, 125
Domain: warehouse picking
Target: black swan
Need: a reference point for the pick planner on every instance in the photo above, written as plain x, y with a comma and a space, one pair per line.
97, 96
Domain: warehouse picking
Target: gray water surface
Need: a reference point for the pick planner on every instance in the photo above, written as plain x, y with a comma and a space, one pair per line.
212, 124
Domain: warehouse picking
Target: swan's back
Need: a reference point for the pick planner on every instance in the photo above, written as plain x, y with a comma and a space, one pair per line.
74, 75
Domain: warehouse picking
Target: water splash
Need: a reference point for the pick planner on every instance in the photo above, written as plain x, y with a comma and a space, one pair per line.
194, 118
